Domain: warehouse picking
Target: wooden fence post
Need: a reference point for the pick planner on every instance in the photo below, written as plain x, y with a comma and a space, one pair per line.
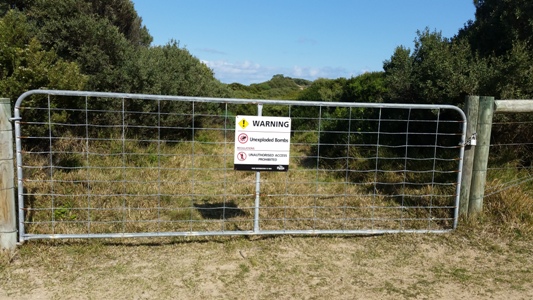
513, 106
8, 229
471, 111
479, 172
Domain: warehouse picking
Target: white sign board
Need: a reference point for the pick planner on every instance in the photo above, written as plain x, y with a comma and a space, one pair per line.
262, 143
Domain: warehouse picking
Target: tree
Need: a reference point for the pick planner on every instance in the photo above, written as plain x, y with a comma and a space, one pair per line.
367, 87
511, 74
324, 89
25, 65
100, 36
278, 87
76, 34
439, 70
172, 70
122, 15
499, 24
502, 34
7, 5
399, 75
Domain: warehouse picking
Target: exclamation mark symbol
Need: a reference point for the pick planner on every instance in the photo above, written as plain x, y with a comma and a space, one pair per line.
243, 123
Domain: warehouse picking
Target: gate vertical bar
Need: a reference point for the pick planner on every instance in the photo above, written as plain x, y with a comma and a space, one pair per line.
257, 185
8, 223
88, 167
20, 184
375, 192
405, 160
51, 161
431, 199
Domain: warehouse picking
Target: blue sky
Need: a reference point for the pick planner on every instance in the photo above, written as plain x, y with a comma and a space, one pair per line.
249, 41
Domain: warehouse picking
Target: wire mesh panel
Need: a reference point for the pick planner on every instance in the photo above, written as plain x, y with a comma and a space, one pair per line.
124, 165
510, 165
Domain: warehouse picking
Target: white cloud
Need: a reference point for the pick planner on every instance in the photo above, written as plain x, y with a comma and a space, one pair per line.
247, 72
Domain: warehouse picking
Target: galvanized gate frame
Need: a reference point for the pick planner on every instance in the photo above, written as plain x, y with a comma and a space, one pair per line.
256, 230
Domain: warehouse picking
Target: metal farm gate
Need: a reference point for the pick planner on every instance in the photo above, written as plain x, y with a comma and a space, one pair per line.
99, 165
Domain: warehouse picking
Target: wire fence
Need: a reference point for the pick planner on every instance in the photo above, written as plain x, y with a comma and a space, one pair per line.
511, 154
122, 165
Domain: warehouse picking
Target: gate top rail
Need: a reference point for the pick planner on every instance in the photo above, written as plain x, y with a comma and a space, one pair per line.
230, 100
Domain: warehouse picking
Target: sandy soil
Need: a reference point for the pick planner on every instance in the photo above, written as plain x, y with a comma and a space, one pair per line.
446, 266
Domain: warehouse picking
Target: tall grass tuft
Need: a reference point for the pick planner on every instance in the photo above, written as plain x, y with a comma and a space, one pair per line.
510, 209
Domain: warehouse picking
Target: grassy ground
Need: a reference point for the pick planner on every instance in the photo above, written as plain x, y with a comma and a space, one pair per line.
478, 261
125, 187
489, 257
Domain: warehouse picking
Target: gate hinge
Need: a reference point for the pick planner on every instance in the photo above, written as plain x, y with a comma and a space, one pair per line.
15, 119
471, 140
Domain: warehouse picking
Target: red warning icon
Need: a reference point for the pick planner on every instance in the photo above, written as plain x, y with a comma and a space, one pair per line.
241, 156
243, 138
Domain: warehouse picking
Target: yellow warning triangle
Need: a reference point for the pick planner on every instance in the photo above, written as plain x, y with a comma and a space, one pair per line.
243, 123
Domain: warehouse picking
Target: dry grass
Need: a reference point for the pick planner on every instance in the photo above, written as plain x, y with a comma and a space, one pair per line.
124, 186
489, 257
480, 263
103, 186
510, 210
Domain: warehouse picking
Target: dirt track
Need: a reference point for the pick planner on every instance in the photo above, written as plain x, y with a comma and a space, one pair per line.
447, 266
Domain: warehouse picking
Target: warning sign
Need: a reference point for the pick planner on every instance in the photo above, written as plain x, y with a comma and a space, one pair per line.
262, 143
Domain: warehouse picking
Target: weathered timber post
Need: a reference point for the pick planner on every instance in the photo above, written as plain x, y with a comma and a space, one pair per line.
8, 229
471, 111
479, 172
513, 106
